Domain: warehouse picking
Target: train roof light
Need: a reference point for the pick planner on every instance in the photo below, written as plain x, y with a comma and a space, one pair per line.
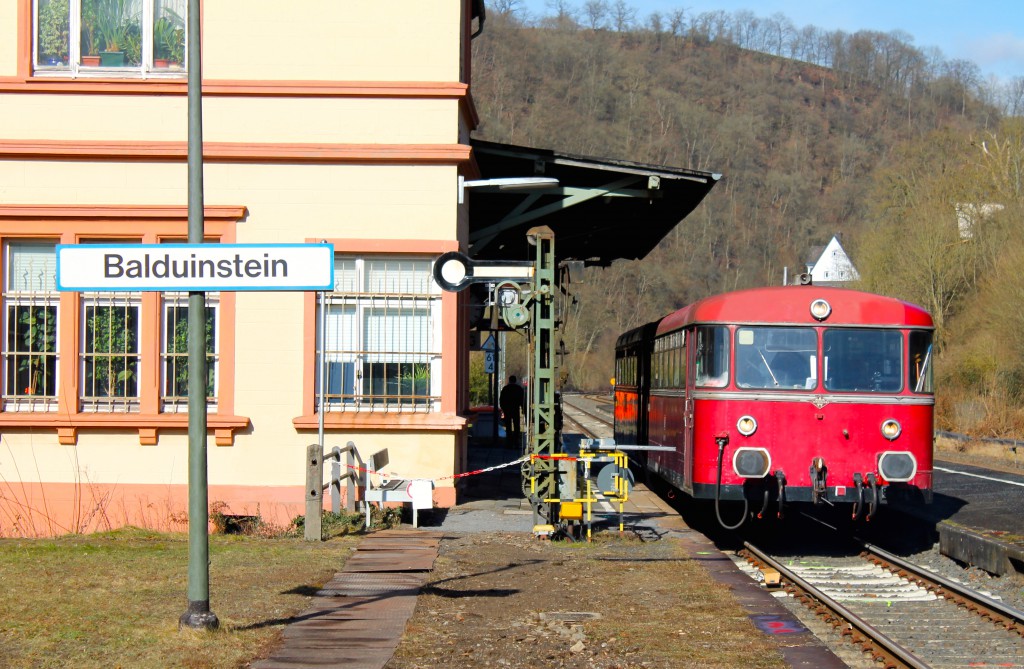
821, 309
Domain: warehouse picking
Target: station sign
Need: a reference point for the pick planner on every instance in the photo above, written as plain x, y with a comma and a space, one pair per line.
194, 267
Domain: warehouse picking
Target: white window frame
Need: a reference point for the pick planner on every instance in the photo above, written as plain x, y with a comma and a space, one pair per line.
169, 362
37, 291
76, 68
350, 356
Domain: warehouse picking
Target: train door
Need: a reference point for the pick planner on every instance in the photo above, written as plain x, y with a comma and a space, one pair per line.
690, 352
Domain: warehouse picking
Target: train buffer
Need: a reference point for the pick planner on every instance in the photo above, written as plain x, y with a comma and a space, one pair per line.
379, 488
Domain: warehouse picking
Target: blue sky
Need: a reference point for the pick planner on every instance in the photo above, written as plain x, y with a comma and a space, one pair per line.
987, 32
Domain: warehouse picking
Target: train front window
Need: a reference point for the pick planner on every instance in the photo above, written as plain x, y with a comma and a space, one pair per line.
859, 360
776, 358
712, 356
921, 362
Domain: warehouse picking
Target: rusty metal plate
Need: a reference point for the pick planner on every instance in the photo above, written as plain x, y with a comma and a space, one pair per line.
358, 617
414, 534
351, 658
399, 544
376, 561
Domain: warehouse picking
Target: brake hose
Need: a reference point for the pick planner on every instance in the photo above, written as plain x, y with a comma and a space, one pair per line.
718, 488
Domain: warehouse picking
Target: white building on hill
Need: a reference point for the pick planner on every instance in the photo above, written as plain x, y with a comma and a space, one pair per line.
829, 265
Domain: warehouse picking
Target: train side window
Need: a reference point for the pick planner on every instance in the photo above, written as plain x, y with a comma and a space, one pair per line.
711, 356
921, 363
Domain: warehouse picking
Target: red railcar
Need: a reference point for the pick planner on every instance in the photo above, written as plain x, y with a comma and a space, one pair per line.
786, 394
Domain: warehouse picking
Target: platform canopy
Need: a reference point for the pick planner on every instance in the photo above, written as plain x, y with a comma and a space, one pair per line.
600, 210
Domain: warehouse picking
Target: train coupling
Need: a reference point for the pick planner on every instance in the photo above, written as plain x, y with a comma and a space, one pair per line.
780, 478
819, 476
858, 483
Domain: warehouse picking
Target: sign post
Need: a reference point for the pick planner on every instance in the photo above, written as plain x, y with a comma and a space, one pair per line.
197, 614
196, 268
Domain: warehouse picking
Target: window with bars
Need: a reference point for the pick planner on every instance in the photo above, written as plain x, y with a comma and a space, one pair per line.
30, 319
110, 352
174, 351
382, 336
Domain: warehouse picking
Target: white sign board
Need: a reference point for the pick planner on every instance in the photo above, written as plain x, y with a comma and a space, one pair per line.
195, 267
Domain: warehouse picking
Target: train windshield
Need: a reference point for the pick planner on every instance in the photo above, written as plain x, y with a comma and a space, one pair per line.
859, 360
921, 362
776, 357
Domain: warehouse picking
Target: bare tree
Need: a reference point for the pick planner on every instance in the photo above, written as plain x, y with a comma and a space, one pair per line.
595, 14
623, 16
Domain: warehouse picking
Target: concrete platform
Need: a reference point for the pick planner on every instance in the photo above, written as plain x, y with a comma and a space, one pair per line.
977, 515
494, 500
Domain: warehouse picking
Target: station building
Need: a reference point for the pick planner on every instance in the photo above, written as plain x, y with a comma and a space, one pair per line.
322, 121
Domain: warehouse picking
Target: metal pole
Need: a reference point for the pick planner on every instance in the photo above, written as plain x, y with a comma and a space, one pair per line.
198, 614
322, 369
496, 380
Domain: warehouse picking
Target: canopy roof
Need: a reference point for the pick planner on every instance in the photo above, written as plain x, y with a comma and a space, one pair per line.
600, 210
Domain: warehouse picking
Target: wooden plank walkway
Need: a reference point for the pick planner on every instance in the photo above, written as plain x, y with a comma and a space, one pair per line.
356, 620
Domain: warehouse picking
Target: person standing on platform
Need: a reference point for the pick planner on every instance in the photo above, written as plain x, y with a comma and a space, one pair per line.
512, 401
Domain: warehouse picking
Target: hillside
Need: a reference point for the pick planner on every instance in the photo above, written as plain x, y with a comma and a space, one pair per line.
806, 151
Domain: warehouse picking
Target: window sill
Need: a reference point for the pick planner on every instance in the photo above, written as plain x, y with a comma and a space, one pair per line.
148, 425
382, 420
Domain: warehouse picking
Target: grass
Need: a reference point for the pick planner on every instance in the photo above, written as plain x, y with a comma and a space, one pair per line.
987, 454
113, 599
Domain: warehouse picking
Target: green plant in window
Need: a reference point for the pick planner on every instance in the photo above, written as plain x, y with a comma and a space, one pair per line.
112, 339
132, 45
54, 32
179, 348
169, 37
415, 379
114, 20
38, 333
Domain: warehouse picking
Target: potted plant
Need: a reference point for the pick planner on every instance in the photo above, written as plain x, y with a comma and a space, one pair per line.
90, 39
414, 380
168, 39
54, 32
37, 329
114, 21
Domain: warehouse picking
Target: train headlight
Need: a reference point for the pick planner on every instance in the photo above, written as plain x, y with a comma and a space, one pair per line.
897, 466
891, 429
746, 425
751, 463
820, 309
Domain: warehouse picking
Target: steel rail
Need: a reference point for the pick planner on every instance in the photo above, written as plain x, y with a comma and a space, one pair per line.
1011, 618
585, 412
894, 650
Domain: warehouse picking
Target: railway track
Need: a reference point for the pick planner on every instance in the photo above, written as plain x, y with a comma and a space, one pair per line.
587, 412
895, 613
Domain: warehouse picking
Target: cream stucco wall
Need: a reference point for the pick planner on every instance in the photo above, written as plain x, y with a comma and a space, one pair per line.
287, 201
8, 38
402, 40
286, 204
285, 120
